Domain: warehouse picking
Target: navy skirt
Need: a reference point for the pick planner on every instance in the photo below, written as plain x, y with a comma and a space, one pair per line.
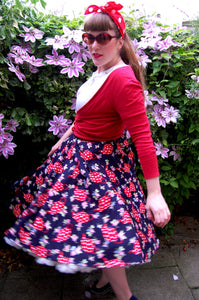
83, 209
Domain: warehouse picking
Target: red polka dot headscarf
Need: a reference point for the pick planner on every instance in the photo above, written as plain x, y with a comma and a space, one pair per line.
111, 8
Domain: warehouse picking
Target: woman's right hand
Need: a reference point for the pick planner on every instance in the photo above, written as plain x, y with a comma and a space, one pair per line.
54, 148
62, 139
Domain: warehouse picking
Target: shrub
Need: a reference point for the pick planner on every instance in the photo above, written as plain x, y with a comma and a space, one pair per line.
42, 64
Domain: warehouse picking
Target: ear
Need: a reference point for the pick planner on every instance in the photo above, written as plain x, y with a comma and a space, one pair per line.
120, 43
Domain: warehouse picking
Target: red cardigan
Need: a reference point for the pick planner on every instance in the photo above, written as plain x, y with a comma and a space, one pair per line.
117, 105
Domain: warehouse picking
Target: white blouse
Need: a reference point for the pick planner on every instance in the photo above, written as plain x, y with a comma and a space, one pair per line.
92, 85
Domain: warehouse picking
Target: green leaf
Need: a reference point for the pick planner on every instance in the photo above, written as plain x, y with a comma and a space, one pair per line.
20, 111
186, 193
177, 94
173, 84
194, 127
156, 67
192, 185
186, 178
165, 182
27, 86
166, 55
177, 65
15, 24
174, 184
182, 183
43, 3
28, 121
166, 168
18, 4
195, 141
3, 32
4, 85
163, 94
177, 55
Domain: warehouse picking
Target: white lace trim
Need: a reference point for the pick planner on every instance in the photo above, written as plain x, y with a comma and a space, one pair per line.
62, 268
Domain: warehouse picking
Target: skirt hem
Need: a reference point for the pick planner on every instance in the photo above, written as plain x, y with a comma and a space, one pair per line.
71, 268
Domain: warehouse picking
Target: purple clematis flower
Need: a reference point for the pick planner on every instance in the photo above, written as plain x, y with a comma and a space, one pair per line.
160, 150
32, 34
56, 59
151, 29
175, 153
1, 116
146, 99
24, 48
73, 106
33, 69
159, 99
82, 54
16, 56
157, 112
170, 114
165, 44
5, 136
12, 125
2, 135
72, 46
73, 68
140, 52
57, 42
149, 42
192, 94
76, 35
17, 71
145, 59
59, 125
36, 62
189, 94
7, 148
195, 78
135, 45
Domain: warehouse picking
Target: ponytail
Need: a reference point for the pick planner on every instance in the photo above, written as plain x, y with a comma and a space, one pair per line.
130, 58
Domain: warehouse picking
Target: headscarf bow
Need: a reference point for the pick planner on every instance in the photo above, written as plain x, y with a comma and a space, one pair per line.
111, 8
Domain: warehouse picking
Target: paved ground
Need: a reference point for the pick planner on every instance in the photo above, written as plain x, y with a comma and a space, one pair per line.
173, 274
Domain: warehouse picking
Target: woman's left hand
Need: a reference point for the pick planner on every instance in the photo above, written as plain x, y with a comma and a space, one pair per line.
157, 209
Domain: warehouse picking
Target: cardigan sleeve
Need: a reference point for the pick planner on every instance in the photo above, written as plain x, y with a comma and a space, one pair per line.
129, 103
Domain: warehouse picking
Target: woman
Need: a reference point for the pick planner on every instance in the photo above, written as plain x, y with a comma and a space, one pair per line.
84, 207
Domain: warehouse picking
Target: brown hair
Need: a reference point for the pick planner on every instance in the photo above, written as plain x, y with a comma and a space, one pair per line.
102, 22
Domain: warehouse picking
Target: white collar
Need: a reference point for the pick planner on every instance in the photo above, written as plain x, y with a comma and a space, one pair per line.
97, 74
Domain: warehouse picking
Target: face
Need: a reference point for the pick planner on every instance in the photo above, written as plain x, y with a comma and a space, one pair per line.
107, 55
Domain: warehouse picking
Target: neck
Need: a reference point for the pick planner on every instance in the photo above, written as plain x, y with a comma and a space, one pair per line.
118, 62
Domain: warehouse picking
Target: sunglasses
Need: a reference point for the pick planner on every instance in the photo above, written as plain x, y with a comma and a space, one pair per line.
102, 38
